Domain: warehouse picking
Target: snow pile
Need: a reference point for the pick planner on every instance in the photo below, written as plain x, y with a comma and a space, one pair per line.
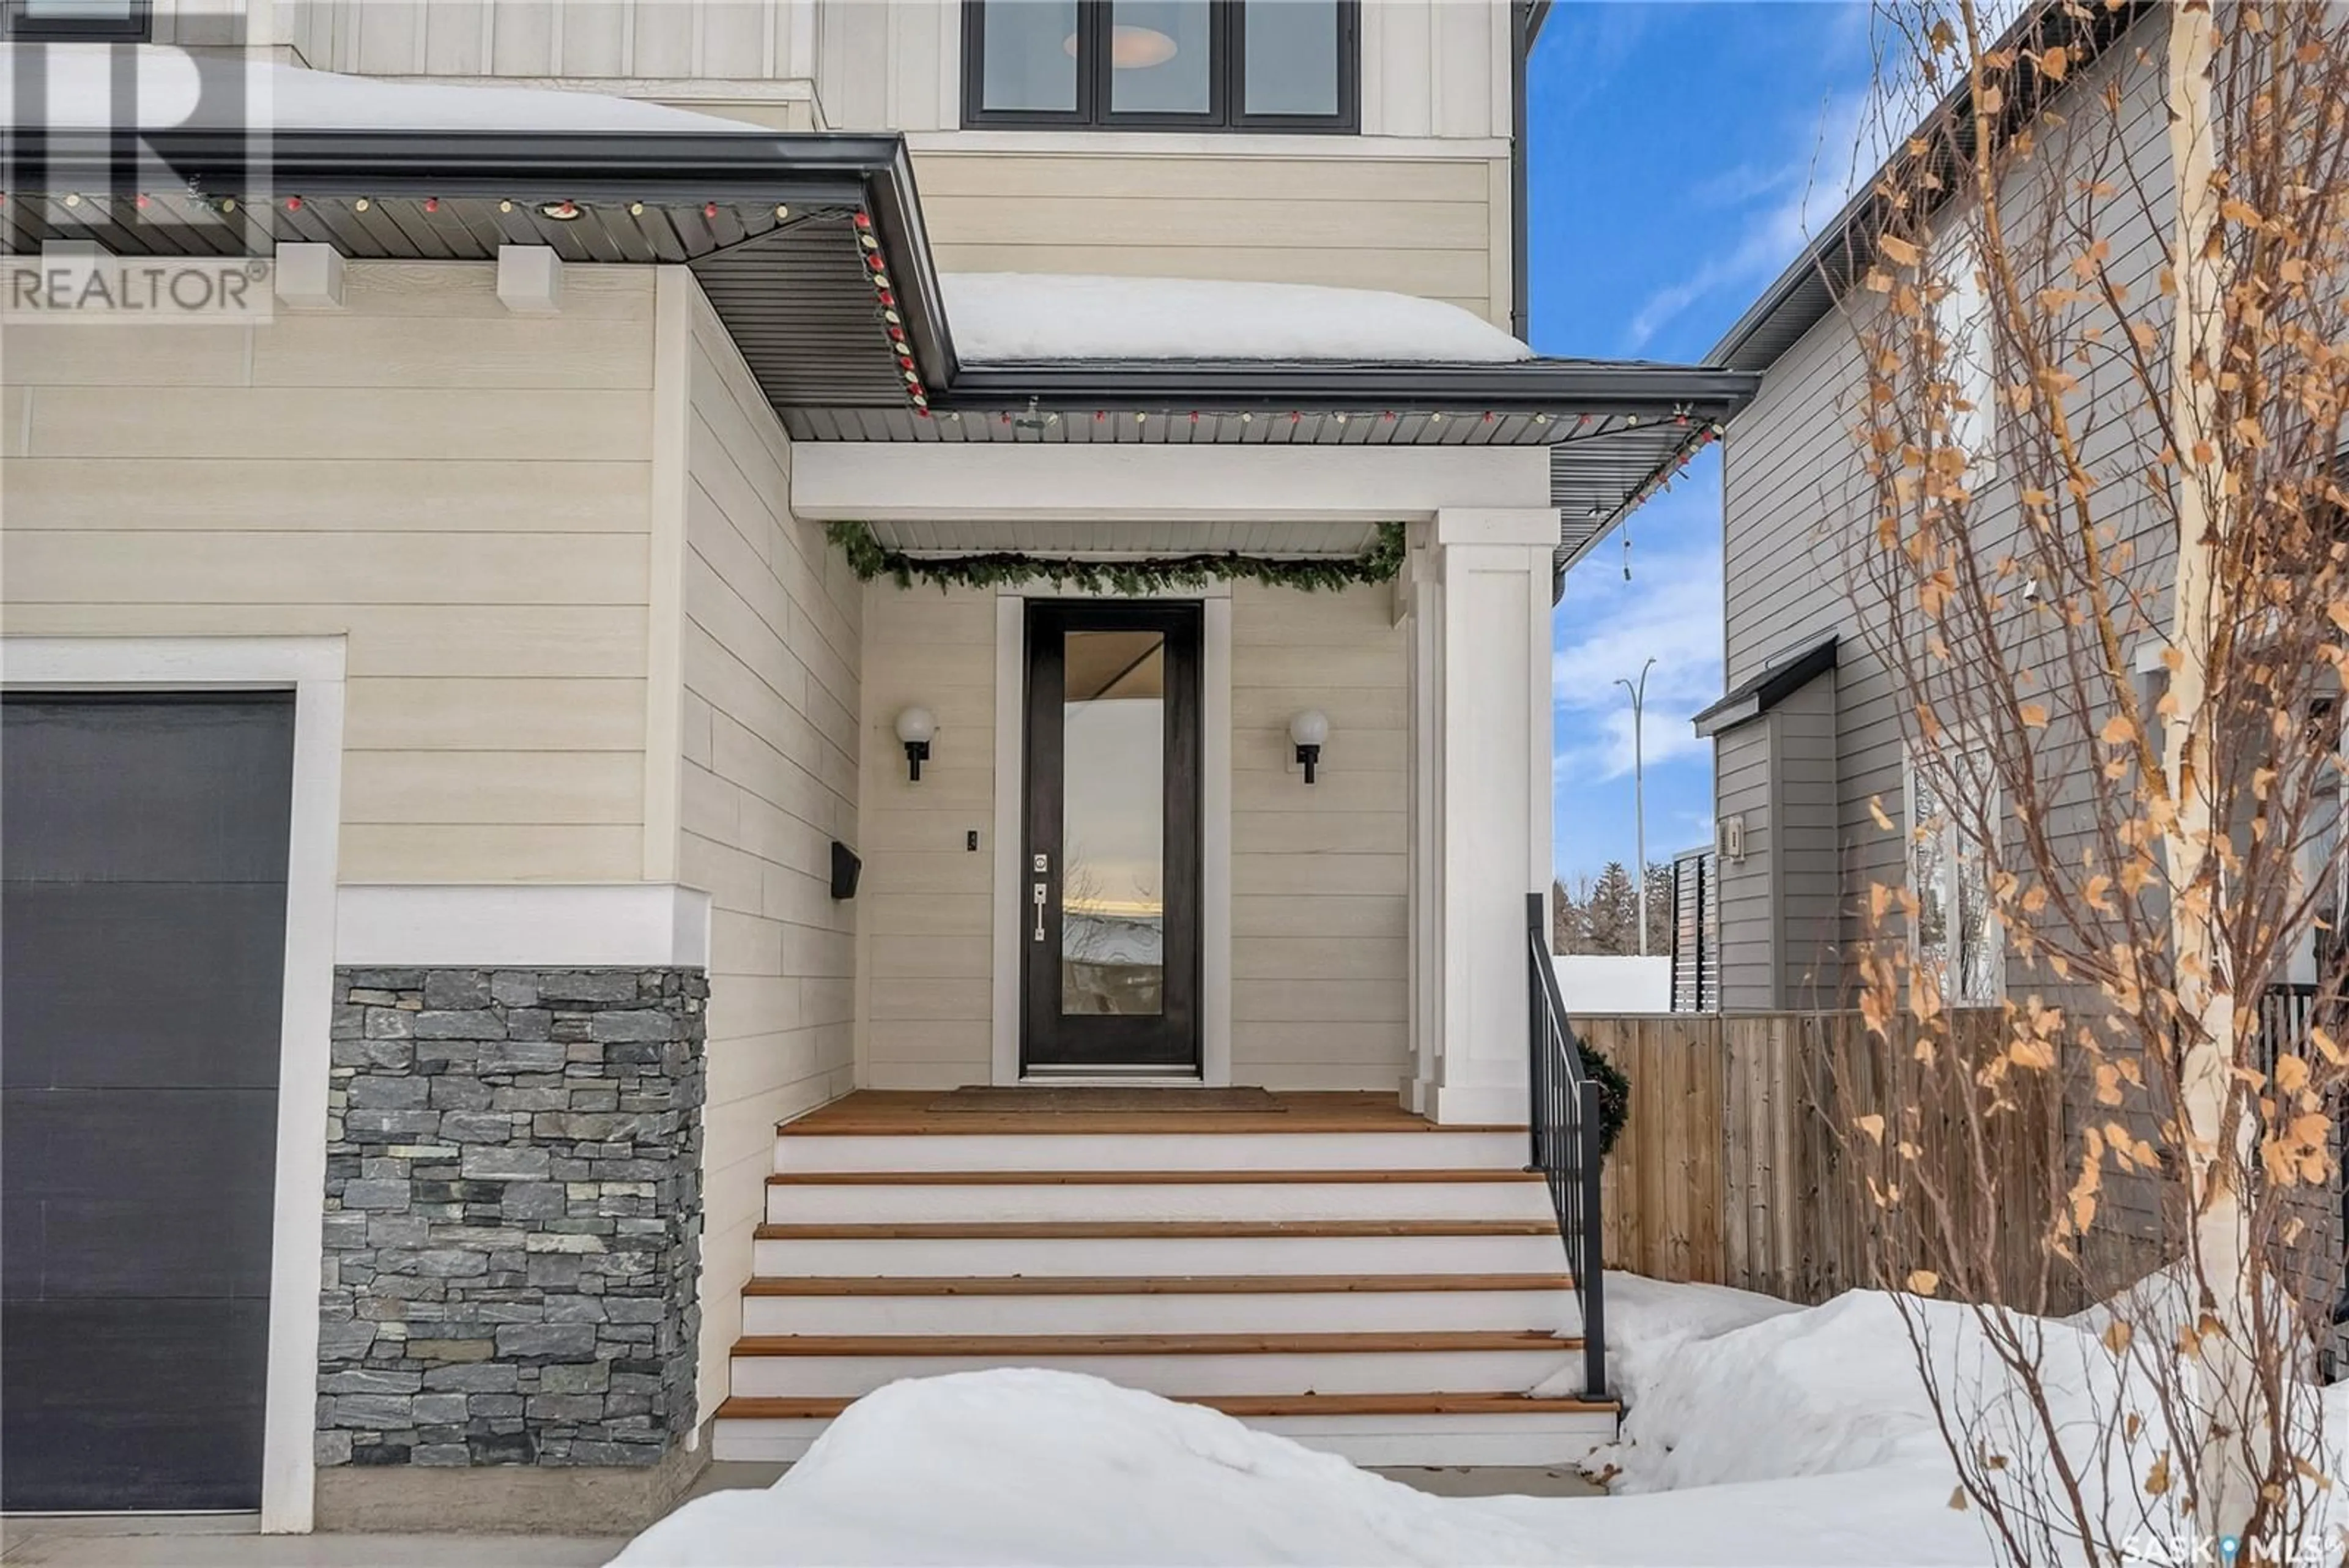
1037, 316
1758, 1434
1032, 1467
176, 88
1721, 1387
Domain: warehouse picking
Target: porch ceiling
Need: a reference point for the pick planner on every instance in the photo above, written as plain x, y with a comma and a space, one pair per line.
812, 249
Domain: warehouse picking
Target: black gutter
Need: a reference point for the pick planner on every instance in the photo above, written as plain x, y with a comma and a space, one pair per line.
1701, 392
1523, 26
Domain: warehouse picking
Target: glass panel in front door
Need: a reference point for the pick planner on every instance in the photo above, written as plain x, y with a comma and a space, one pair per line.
1113, 824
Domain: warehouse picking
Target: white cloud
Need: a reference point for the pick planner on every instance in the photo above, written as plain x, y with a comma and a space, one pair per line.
1671, 611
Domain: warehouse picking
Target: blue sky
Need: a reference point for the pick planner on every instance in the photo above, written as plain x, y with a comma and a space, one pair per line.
1679, 152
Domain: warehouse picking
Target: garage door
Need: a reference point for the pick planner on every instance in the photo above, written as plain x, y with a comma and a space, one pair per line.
142, 930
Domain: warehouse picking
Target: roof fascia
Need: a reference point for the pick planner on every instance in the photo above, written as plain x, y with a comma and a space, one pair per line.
1700, 392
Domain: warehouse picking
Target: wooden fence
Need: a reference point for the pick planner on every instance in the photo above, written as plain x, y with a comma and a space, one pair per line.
1730, 1171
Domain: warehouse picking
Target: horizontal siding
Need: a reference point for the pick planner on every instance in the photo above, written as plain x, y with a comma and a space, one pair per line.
1319, 872
1748, 909
771, 639
1423, 227
461, 492
926, 908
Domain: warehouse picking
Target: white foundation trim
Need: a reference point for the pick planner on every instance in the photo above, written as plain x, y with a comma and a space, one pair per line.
869, 482
620, 925
312, 668
1215, 821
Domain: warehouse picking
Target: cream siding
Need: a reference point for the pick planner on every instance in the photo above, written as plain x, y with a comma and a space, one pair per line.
461, 492
768, 656
1413, 225
926, 916
1319, 872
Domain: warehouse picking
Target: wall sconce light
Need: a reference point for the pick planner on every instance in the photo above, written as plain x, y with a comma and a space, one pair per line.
916, 728
1310, 730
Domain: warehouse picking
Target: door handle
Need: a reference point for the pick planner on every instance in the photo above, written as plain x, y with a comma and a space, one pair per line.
1040, 892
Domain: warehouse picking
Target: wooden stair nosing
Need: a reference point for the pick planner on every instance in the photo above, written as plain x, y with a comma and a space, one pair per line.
1142, 1284
1140, 1178
1153, 1229
1011, 1346
750, 1407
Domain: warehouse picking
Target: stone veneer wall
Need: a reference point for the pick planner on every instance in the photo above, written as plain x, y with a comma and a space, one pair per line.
514, 1216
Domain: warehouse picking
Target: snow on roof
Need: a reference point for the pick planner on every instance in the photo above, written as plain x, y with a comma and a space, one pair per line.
176, 88
1038, 315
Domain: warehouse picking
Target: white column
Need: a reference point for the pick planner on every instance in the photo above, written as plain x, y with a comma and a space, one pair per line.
1481, 801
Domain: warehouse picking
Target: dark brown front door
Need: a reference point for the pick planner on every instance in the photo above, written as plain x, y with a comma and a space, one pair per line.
1111, 895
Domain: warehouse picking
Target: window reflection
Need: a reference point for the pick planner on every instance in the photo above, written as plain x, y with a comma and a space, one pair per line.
1113, 824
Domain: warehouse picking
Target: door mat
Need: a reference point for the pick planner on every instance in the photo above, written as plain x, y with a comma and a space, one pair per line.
1104, 1101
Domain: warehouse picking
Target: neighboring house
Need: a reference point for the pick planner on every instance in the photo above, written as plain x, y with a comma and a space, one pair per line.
1808, 739
460, 801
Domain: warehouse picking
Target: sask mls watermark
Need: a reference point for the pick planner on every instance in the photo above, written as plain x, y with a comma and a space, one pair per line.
134, 185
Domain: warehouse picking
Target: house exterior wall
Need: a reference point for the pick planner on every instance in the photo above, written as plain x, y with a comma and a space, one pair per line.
1749, 927
1420, 224
1794, 503
1418, 203
1793, 493
771, 648
462, 491
926, 911
1318, 874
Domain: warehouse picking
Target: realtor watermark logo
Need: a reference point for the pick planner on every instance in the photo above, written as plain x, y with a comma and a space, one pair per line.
137, 183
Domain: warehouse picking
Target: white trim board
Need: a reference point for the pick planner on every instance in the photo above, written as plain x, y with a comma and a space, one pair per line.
867, 481
1123, 144
312, 668
1215, 823
619, 925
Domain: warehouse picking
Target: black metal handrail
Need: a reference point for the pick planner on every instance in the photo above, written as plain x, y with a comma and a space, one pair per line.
1565, 1123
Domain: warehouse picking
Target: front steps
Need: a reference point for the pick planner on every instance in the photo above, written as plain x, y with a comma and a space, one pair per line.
1342, 1273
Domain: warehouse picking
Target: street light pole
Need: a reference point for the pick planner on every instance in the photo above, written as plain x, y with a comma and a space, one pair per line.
1639, 796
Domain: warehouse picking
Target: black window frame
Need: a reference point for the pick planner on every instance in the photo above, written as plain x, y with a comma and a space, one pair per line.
1227, 79
17, 27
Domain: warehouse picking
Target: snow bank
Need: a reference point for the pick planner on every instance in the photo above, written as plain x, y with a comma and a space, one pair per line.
1758, 1434
1037, 316
1033, 1467
1049, 1468
176, 88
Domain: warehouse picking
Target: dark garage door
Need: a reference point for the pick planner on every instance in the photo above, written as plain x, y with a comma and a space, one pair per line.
142, 930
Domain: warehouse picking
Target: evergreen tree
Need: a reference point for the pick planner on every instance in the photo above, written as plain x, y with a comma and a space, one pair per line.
1611, 913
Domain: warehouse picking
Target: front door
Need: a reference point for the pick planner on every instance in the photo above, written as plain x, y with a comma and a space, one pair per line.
1111, 894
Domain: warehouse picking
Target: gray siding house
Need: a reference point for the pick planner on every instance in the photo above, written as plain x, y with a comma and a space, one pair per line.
1809, 739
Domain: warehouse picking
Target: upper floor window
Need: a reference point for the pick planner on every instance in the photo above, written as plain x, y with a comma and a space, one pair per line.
60, 21
1161, 65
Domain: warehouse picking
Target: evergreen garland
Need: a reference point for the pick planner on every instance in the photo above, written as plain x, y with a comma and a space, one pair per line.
869, 558
1614, 1094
